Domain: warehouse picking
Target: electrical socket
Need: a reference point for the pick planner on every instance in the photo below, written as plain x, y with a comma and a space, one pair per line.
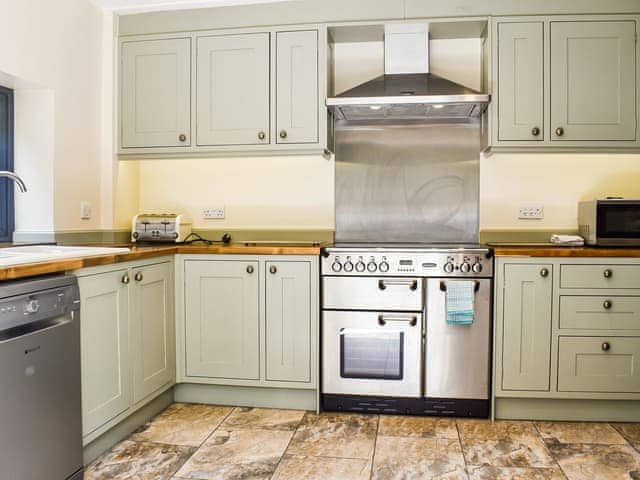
213, 213
531, 212
85, 210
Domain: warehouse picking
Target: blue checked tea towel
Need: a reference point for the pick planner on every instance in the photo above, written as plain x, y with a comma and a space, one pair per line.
459, 301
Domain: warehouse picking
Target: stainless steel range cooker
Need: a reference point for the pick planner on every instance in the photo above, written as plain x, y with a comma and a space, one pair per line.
387, 346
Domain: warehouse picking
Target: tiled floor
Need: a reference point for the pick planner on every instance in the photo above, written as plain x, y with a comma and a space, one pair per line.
212, 442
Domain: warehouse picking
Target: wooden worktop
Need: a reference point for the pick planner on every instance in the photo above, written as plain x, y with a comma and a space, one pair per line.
549, 250
143, 252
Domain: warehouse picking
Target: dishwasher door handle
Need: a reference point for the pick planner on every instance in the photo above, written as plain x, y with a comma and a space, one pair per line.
411, 319
25, 329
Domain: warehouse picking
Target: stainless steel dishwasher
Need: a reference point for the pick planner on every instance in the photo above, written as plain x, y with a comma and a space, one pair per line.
40, 409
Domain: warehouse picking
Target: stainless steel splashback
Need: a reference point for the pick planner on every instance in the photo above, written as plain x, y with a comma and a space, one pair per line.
409, 182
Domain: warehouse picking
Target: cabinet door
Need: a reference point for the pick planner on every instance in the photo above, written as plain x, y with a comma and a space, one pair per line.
288, 321
526, 340
520, 81
297, 87
156, 93
593, 80
233, 89
222, 319
106, 390
152, 329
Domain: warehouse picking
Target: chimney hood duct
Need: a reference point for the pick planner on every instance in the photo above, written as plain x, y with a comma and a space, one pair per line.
407, 90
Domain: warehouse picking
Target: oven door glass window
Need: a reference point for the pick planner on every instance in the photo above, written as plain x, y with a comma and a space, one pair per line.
371, 354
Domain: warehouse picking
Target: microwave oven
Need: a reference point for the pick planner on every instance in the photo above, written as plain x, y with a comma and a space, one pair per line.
610, 222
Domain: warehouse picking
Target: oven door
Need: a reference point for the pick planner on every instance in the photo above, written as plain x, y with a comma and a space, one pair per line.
372, 353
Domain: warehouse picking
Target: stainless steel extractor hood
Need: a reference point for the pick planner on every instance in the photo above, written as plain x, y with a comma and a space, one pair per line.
407, 90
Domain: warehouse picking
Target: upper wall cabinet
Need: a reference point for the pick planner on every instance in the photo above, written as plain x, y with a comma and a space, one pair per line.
244, 92
155, 92
565, 82
233, 89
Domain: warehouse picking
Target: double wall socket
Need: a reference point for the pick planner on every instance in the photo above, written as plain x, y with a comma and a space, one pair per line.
213, 213
531, 212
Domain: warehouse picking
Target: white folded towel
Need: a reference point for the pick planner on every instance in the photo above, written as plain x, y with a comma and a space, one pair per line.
570, 240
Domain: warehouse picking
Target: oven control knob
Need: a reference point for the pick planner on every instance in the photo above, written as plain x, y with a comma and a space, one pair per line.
477, 267
465, 267
384, 267
336, 266
360, 266
372, 267
448, 267
348, 266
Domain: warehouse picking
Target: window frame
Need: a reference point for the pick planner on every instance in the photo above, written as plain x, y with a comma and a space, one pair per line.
7, 188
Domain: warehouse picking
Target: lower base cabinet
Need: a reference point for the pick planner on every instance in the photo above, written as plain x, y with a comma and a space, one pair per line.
128, 340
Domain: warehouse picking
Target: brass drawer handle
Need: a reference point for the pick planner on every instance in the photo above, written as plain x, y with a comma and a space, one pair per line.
125, 279
138, 277
607, 304
262, 135
182, 137
607, 273
544, 272
250, 269
559, 131
606, 346
535, 131
273, 269
283, 134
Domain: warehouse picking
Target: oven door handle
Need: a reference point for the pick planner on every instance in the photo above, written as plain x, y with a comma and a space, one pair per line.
443, 286
383, 319
412, 284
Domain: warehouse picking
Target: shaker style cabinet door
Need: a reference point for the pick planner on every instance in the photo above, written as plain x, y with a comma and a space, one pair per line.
222, 319
288, 321
297, 87
520, 81
593, 80
152, 329
526, 340
155, 99
233, 89
106, 391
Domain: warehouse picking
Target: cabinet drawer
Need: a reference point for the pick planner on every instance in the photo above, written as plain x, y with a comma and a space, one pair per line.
600, 276
600, 312
599, 364
371, 293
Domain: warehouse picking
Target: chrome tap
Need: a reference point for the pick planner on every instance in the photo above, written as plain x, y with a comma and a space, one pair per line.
21, 186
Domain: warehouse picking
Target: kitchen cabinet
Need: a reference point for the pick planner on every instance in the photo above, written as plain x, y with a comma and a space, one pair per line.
232, 89
521, 81
565, 82
222, 319
155, 93
128, 338
297, 87
288, 321
526, 327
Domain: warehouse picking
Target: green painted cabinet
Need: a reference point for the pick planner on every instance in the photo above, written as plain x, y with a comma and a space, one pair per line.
232, 89
106, 363
521, 81
526, 327
288, 321
297, 86
155, 93
222, 333
152, 329
593, 80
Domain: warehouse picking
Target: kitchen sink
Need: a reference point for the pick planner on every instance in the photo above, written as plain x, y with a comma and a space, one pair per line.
44, 253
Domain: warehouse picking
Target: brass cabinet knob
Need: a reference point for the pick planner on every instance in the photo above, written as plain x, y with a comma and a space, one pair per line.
559, 131
138, 277
544, 272
283, 134
607, 273
250, 269
262, 135
535, 131
605, 346
125, 279
182, 137
273, 269
607, 304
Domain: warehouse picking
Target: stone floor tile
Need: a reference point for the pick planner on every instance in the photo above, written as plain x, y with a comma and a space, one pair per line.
343, 435
487, 472
630, 431
263, 418
183, 424
413, 426
579, 432
297, 467
597, 462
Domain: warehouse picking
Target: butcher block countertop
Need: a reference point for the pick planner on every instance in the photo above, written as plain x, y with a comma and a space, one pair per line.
550, 250
143, 252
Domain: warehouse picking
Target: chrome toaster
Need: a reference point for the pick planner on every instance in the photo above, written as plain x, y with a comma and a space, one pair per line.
164, 227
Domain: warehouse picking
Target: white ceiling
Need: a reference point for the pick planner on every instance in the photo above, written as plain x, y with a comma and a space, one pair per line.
137, 6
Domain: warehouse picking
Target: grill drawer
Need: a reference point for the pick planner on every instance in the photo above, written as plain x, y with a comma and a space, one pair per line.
373, 293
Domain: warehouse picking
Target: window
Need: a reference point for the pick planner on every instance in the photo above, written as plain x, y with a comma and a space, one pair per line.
7, 187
